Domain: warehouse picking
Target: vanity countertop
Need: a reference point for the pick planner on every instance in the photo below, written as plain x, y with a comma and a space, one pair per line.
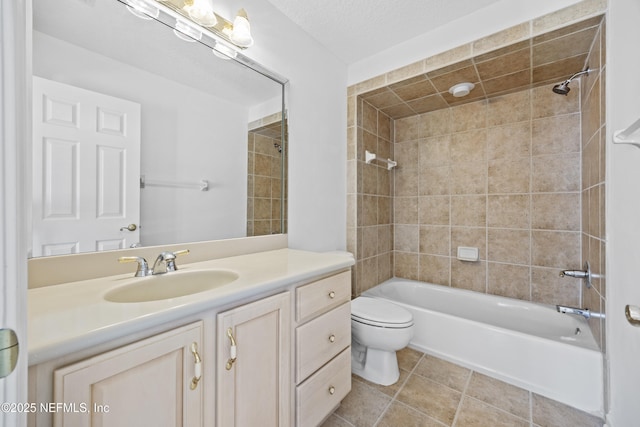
74, 316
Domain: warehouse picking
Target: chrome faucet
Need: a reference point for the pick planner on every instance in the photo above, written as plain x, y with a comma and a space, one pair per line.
580, 274
143, 266
166, 261
585, 312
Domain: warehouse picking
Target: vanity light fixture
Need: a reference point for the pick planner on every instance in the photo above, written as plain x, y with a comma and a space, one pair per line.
201, 12
142, 9
186, 31
223, 51
461, 89
241, 33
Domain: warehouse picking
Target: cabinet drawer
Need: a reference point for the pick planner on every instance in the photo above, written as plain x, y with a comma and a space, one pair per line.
314, 398
321, 339
323, 295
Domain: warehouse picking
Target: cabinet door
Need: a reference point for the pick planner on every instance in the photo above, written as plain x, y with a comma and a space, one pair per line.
147, 383
254, 390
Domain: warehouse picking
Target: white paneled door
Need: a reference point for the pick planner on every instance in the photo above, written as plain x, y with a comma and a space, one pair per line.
86, 169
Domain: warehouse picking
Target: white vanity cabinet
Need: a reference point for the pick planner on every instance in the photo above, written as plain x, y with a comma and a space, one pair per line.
322, 347
253, 364
272, 349
152, 382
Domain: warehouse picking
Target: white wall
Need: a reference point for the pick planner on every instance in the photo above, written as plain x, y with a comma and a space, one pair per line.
489, 20
187, 136
316, 104
260, 111
623, 211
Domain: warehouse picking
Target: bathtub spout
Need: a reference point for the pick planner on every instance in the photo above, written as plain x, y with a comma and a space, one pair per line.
585, 312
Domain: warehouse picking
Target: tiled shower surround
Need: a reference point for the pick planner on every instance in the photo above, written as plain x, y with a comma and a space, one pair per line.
514, 170
265, 177
593, 138
501, 175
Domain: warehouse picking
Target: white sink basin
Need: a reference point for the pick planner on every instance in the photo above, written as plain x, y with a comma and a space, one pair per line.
170, 285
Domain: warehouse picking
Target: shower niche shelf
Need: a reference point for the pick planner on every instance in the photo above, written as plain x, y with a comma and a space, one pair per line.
625, 136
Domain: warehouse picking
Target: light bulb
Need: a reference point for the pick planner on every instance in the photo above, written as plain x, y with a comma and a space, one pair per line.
241, 34
201, 12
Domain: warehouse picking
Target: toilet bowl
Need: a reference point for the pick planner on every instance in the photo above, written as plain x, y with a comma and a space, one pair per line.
379, 328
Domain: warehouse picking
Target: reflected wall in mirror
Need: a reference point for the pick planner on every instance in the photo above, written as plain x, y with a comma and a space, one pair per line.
117, 99
266, 206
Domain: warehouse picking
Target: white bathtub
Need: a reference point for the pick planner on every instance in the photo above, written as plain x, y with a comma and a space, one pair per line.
525, 344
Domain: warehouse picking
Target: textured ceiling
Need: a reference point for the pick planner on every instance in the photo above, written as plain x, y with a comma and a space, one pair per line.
356, 29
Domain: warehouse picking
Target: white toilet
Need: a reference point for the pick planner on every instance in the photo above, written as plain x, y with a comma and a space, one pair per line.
379, 328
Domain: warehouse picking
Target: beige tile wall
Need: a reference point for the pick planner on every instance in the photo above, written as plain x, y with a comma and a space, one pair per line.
593, 183
370, 202
502, 175
264, 183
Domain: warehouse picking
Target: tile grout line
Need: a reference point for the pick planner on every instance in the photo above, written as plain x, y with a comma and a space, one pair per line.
462, 396
394, 397
340, 418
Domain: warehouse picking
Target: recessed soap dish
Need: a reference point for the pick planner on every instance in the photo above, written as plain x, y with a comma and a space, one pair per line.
468, 254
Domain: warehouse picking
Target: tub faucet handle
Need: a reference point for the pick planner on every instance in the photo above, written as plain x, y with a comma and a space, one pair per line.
579, 274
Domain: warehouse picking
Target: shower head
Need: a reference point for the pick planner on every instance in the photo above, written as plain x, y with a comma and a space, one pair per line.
563, 88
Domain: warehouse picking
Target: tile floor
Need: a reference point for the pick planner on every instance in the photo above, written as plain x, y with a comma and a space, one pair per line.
434, 393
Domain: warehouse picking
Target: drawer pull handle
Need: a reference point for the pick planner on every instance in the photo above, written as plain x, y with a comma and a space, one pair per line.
332, 295
332, 390
233, 352
332, 338
197, 366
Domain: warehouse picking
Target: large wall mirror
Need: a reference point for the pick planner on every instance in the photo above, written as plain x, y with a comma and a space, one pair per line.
141, 138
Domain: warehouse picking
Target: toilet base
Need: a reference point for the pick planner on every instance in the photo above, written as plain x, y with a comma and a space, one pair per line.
377, 366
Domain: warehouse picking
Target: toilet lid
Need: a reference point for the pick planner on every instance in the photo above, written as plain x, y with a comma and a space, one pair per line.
379, 312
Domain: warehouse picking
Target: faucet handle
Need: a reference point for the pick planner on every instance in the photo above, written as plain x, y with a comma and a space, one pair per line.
171, 261
585, 274
143, 267
166, 261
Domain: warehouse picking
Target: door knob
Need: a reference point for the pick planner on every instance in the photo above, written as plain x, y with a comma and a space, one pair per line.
632, 312
9, 350
130, 227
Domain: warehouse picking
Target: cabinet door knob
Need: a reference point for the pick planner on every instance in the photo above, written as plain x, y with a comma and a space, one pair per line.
332, 294
197, 367
332, 338
332, 390
233, 350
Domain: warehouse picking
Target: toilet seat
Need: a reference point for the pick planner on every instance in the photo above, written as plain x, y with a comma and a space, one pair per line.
380, 313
